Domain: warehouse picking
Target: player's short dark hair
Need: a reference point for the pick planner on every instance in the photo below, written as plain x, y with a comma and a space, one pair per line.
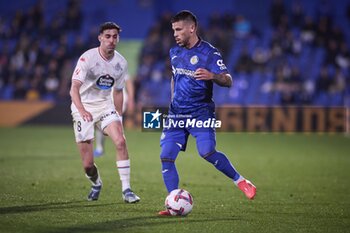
109, 25
185, 15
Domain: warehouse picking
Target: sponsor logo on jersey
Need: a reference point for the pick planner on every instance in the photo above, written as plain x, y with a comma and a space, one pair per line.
221, 64
105, 82
180, 71
194, 60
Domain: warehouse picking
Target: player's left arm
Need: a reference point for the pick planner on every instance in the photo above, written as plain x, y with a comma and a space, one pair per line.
118, 97
172, 87
214, 70
118, 100
223, 79
130, 90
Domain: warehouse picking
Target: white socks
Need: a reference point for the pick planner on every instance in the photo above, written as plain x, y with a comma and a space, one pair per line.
124, 173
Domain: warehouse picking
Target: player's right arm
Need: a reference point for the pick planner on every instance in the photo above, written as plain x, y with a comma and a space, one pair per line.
75, 95
78, 79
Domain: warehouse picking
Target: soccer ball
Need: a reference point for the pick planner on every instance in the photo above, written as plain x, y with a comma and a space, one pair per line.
179, 202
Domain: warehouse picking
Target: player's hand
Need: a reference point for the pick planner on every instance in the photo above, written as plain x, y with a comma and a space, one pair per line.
86, 115
203, 74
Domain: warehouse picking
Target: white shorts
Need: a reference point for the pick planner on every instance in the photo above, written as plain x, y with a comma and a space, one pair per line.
84, 130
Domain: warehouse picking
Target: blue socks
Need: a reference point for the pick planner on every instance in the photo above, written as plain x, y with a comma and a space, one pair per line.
221, 162
170, 175
168, 156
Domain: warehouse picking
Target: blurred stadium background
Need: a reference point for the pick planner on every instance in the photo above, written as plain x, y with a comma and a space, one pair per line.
280, 52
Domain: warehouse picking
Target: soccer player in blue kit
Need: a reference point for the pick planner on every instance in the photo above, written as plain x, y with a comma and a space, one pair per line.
196, 65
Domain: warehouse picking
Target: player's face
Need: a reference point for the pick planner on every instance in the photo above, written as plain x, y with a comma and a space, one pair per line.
182, 32
108, 40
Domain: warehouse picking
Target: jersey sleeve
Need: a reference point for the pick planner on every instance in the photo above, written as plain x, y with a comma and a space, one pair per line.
80, 70
216, 63
120, 82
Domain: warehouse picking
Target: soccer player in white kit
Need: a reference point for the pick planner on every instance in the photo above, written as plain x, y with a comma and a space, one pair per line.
99, 72
128, 104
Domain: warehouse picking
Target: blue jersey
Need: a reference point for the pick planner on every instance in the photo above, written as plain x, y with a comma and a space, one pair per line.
191, 96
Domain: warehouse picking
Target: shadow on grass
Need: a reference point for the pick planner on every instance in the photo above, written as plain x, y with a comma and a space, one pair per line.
143, 220
49, 206
142, 223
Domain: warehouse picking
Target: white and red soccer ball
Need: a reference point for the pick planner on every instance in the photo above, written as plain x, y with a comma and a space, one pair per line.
179, 202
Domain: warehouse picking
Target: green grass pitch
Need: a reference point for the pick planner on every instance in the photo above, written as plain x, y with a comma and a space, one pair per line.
303, 183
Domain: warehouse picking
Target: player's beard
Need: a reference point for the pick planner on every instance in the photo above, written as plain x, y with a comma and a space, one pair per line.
110, 49
184, 43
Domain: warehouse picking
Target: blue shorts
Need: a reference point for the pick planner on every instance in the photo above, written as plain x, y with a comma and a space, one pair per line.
179, 135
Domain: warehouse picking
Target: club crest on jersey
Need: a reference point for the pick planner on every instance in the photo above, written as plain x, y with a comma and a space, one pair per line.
194, 60
105, 82
118, 67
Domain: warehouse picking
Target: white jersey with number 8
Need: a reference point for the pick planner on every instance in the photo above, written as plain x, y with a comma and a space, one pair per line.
98, 77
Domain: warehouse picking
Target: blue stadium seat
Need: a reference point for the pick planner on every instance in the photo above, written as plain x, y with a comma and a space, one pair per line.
336, 99
7, 92
321, 99
253, 92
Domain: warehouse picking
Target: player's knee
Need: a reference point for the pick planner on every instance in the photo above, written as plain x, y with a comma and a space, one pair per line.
169, 151
205, 148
